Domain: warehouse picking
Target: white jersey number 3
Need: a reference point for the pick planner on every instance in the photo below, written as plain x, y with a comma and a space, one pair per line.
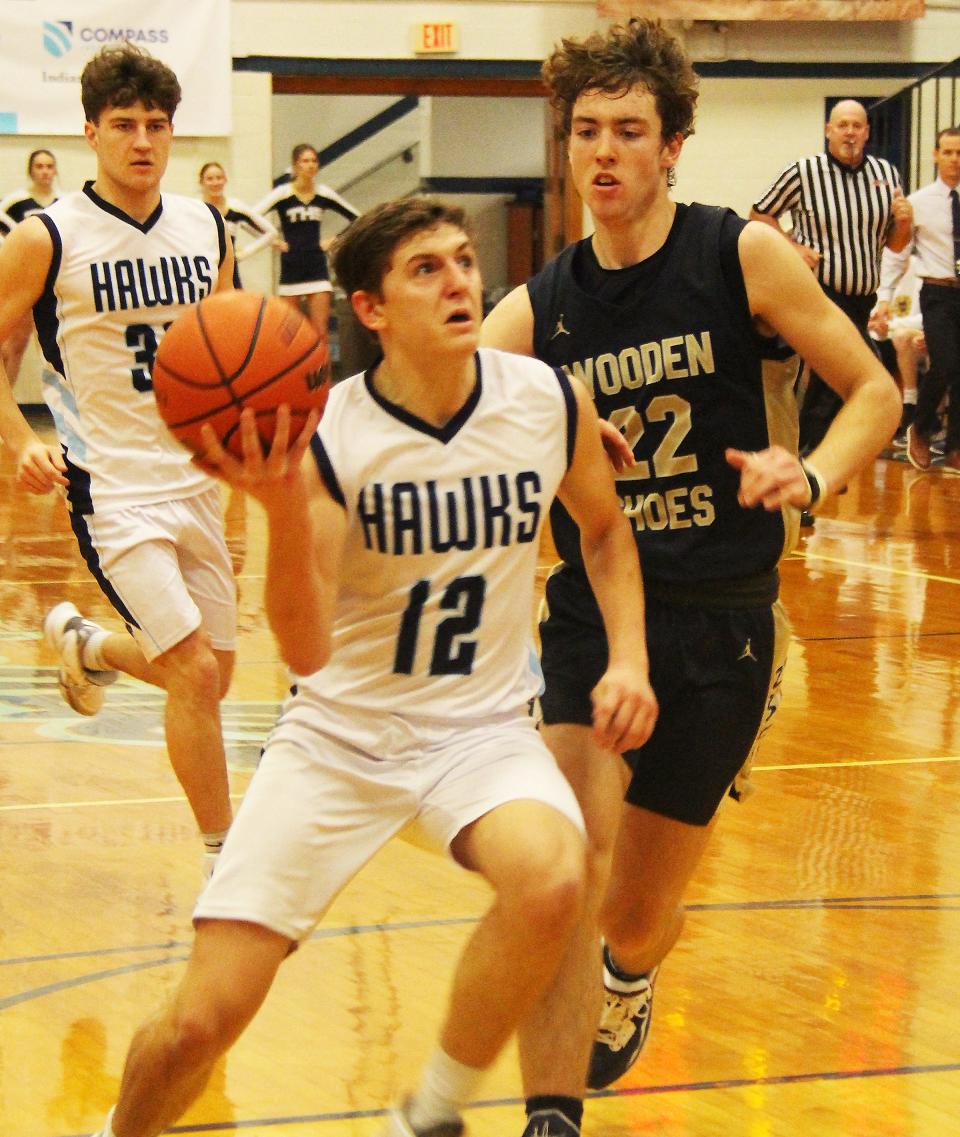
142, 339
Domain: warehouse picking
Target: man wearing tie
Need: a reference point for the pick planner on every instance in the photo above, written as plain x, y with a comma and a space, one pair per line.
936, 242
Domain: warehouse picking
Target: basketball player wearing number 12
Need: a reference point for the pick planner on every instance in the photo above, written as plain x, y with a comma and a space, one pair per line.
400, 581
104, 274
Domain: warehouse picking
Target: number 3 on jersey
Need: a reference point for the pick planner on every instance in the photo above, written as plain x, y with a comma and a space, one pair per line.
142, 339
452, 653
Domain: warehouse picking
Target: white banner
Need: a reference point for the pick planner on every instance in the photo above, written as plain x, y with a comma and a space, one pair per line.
44, 45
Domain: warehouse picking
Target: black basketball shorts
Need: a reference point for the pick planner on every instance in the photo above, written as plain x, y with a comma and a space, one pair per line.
716, 673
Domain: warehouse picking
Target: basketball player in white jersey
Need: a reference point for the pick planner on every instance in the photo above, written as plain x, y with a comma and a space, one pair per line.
105, 271
402, 550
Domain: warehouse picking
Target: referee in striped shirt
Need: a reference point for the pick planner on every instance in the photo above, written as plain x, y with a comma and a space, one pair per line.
844, 208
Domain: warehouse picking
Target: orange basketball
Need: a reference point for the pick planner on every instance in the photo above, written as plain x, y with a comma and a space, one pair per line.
236, 350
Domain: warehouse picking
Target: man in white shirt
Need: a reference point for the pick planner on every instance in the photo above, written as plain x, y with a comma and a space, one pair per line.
897, 326
936, 243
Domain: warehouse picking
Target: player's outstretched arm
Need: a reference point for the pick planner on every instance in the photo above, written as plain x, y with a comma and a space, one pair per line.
786, 299
305, 533
624, 705
24, 263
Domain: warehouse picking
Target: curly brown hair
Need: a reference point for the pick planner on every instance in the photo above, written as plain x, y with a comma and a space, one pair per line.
123, 75
640, 52
362, 254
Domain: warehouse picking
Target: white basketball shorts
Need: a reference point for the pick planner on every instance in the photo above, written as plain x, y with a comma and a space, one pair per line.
169, 568
318, 809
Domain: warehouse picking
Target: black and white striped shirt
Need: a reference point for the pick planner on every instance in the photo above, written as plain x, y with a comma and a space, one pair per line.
843, 212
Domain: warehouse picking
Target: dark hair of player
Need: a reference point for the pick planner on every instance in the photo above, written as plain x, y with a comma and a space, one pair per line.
124, 75
639, 52
363, 252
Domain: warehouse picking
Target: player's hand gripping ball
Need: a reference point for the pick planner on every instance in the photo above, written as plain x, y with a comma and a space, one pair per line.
235, 350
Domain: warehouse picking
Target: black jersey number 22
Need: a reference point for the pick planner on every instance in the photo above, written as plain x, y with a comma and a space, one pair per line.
453, 654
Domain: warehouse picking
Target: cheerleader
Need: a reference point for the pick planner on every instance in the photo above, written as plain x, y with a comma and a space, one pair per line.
300, 205
239, 217
41, 192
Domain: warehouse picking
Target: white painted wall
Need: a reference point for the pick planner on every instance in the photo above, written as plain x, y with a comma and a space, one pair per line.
487, 138
373, 29
381, 29
743, 139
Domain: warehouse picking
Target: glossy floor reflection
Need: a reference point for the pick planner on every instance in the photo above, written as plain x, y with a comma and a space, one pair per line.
814, 990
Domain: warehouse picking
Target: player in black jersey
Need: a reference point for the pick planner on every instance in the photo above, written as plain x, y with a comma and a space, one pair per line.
16, 207
672, 317
300, 205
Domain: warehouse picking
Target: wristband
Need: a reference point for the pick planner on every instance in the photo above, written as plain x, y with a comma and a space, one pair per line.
816, 482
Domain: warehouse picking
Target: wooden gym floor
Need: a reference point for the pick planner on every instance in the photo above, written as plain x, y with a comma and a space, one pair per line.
814, 990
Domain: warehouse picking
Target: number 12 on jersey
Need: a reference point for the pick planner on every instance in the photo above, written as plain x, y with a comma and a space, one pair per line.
452, 654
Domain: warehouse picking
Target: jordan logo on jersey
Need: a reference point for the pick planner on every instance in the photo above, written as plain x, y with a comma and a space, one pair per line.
560, 330
747, 653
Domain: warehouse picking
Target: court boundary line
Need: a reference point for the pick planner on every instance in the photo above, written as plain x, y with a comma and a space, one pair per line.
912, 902
20, 807
872, 566
595, 1095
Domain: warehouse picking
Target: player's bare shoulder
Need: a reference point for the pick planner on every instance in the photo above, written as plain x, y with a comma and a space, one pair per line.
28, 241
773, 271
509, 326
25, 260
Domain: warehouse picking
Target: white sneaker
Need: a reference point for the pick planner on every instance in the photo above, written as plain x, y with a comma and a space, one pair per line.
107, 1130
398, 1125
66, 631
208, 862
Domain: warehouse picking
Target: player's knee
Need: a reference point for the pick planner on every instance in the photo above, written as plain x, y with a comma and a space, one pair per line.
598, 857
554, 884
204, 677
638, 930
194, 672
197, 1036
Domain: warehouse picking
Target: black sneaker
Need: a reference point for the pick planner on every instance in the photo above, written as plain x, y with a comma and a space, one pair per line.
549, 1123
906, 419
623, 1030
918, 449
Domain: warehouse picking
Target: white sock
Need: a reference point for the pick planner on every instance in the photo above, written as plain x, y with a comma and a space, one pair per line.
92, 651
626, 982
213, 842
445, 1088
910, 397
107, 1130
